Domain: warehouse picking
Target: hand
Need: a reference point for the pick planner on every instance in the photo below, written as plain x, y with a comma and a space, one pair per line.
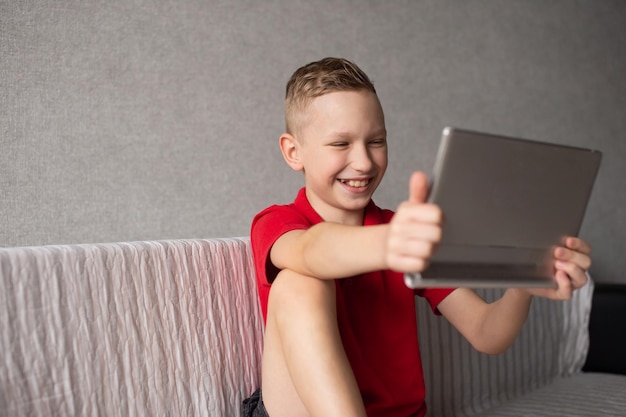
415, 229
571, 263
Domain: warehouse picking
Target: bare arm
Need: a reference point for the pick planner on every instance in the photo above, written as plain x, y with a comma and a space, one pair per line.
331, 250
492, 327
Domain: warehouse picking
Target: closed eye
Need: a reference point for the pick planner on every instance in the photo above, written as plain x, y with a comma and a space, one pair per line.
378, 142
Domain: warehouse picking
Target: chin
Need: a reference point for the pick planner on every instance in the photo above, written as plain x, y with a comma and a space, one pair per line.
357, 204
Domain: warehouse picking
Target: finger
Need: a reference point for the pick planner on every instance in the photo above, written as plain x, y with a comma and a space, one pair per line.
418, 188
426, 232
580, 259
420, 213
577, 276
418, 249
564, 286
579, 279
419, 243
408, 263
578, 245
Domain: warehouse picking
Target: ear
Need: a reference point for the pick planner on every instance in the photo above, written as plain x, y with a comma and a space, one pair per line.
290, 149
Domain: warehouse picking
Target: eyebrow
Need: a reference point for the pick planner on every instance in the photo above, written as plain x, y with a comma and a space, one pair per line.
348, 135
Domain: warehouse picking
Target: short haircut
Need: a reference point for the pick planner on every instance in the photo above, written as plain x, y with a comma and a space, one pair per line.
318, 78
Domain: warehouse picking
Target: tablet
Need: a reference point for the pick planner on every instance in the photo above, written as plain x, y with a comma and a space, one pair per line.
507, 202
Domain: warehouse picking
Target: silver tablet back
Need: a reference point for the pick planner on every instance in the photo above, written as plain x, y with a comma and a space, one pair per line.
506, 203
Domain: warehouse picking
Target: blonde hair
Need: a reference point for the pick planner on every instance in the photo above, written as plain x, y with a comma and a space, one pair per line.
318, 78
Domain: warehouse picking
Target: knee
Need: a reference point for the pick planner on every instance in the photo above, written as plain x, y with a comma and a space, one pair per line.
292, 293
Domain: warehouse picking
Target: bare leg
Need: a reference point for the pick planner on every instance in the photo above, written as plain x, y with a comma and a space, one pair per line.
305, 368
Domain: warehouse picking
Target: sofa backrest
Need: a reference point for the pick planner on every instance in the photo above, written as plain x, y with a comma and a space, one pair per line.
130, 329
174, 328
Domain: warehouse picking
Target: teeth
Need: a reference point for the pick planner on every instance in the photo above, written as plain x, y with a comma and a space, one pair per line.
355, 183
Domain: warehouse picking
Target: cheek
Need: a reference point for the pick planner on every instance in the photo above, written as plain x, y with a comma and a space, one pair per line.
331, 161
323, 165
381, 159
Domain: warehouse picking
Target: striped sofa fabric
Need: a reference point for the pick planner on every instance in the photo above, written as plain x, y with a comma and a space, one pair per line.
173, 328
540, 375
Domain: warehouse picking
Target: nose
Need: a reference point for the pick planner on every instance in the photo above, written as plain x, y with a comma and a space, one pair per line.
361, 158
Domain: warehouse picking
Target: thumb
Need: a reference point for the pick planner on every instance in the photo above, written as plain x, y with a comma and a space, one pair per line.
418, 188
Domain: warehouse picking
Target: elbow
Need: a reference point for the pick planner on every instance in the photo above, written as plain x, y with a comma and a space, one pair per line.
492, 341
492, 347
492, 352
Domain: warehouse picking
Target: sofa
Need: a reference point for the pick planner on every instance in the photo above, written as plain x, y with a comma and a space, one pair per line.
173, 328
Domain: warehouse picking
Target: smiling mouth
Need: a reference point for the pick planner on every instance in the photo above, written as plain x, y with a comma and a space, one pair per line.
355, 183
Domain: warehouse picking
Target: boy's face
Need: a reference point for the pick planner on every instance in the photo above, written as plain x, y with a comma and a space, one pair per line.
342, 149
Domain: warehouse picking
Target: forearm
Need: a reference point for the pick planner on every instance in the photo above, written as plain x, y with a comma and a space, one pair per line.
504, 320
490, 327
331, 250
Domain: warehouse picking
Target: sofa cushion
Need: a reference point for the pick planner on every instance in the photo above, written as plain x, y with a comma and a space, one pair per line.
584, 394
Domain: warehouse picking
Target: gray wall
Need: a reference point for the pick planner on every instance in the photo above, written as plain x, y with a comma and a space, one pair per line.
126, 120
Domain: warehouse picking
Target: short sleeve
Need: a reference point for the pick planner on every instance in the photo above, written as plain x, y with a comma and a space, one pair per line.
434, 296
267, 227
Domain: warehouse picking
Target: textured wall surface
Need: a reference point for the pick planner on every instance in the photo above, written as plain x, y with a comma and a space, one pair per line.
130, 120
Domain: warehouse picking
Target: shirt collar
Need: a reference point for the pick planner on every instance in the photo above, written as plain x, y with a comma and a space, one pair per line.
372, 212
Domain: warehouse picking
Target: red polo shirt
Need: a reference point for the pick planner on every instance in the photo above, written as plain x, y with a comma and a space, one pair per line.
375, 314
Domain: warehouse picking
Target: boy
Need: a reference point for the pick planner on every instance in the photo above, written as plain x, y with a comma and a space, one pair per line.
340, 335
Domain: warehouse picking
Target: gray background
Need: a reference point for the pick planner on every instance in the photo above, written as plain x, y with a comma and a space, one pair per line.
134, 120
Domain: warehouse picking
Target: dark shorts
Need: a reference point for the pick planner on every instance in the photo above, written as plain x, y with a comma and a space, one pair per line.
253, 406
